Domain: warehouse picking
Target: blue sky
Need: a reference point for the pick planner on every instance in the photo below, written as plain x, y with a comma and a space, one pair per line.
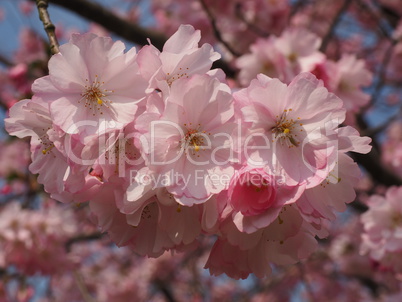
13, 21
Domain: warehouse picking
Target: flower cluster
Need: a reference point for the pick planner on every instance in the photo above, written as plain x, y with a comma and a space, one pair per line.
28, 238
297, 50
165, 152
383, 225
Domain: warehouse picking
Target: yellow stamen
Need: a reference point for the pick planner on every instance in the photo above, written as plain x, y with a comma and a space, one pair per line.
338, 179
286, 130
44, 151
196, 147
100, 102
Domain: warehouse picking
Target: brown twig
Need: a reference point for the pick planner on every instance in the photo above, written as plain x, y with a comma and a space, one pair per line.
372, 164
375, 130
48, 25
382, 73
97, 13
81, 238
6, 62
383, 30
306, 282
79, 280
131, 32
327, 38
258, 31
216, 31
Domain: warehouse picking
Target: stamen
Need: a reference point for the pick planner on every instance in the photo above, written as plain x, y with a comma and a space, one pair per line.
99, 100
285, 129
45, 151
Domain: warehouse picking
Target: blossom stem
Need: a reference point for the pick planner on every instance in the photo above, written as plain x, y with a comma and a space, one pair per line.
216, 31
48, 25
334, 24
82, 286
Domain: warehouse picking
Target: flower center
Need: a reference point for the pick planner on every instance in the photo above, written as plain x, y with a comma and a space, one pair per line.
46, 142
286, 129
94, 97
396, 220
194, 139
171, 77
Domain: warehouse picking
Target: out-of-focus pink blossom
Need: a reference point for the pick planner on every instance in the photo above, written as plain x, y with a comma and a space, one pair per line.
34, 241
26, 7
346, 78
31, 48
283, 57
14, 158
382, 237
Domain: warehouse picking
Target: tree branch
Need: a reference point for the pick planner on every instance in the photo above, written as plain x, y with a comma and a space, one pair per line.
97, 13
48, 25
382, 74
377, 170
258, 31
131, 32
82, 287
217, 33
6, 62
81, 238
334, 24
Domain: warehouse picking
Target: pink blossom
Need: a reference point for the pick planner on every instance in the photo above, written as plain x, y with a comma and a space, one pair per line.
190, 141
264, 58
14, 158
26, 7
149, 230
257, 198
294, 125
330, 197
392, 147
346, 78
90, 81
181, 57
31, 47
345, 251
382, 237
28, 238
32, 118
295, 51
285, 241
240, 23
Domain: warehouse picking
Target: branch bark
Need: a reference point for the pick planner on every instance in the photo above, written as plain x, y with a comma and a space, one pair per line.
48, 25
216, 31
334, 24
371, 162
5, 61
97, 13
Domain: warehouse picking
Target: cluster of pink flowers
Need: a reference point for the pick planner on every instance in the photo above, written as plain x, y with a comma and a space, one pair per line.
297, 50
382, 237
165, 152
240, 23
391, 153
35, 241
